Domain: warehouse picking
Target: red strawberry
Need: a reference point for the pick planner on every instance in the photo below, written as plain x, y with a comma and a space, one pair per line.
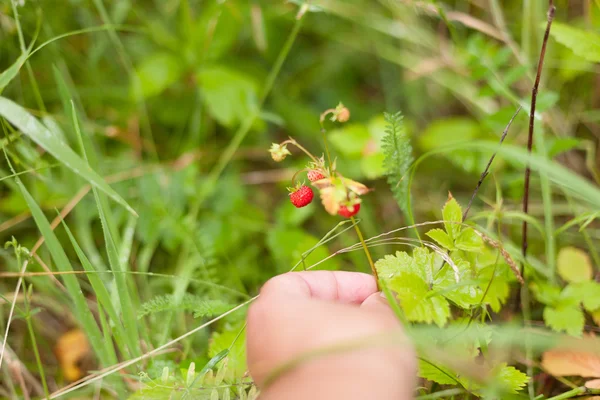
314, 175
344, 211
302, 196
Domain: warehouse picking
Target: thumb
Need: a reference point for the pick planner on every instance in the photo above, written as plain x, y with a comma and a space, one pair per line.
378, 304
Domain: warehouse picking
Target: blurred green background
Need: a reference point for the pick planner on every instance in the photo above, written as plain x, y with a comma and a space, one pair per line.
179, 101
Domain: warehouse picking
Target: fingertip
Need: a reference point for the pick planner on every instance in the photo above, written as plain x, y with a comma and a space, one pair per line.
342, 286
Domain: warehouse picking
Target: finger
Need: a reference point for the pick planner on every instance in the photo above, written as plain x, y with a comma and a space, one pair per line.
341, 286
376, 304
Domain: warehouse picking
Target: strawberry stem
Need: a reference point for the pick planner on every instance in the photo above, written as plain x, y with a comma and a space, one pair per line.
321, 120
293, 142
367, 252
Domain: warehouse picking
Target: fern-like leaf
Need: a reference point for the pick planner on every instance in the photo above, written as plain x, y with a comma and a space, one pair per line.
398, 158
200, 306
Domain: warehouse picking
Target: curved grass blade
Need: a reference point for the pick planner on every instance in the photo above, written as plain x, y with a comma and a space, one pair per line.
33, 128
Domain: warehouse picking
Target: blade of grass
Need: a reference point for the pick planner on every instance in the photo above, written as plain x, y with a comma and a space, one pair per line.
550, 247
109, 371
34, 344
33, 128
84, 314
100, 290
127, 308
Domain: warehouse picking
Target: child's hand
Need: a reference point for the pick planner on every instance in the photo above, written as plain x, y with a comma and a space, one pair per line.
302, 311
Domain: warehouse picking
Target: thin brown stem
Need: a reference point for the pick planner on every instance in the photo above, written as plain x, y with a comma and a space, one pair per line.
299, 146
534, 92
524, 292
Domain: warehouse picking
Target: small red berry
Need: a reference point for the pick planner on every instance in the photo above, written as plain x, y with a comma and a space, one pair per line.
314, 175
302, 196
344, 211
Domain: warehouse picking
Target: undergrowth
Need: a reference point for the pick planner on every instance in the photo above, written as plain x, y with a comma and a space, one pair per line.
141, 211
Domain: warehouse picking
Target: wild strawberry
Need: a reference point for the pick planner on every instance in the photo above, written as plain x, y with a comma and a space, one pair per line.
314, 175
349, 211
302, 196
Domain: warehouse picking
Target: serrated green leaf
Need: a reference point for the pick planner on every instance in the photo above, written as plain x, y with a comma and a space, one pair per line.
546, 293
437, 373
396, 147
442, 238
511, 379
569, 319
574, 265
469, 240
452, 214
35, 130
412, 292
585, 44
497, 291
465, 293
423, 264
392, 265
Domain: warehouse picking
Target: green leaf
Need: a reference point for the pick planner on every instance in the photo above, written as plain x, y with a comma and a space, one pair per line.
189, 302
444, 132
588, 293
436, 373
350, 140
31, 127
156, 73
569, 319
397, 150
585, 44
452, 214
574, 265
231, 97
497, 291
412, 292
220, 341
465, 293
373, 165
511, 379
392, 265
560, 145
469, 240
546, 293
9, 74
442, 238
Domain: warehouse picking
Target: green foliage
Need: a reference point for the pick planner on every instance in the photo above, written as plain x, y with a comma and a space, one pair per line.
199, 305
574, 265
177, 103
564, 307
398, 158
583, 43
230, 96
506, 379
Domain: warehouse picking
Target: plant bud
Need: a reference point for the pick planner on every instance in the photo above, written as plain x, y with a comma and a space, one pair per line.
343, 114
279, 152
